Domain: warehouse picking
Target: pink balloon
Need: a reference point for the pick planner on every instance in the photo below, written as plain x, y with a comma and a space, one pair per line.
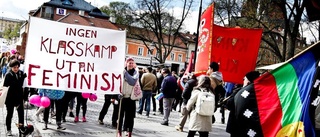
35, 100
45, 102
13, 51
93, 97
85, 95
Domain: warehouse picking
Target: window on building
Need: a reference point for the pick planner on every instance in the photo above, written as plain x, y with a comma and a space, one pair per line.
180, 57
140, 51
47, 12
172, 56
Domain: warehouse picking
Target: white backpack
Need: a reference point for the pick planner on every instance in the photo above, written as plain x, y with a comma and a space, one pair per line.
205, 104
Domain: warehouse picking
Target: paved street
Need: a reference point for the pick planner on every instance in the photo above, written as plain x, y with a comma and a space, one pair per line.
144, 127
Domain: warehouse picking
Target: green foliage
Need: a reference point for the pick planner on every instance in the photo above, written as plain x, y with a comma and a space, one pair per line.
11, 33
121, 11
105, 9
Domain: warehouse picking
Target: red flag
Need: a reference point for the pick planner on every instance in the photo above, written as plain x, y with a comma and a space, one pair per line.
313, 9
189, 67
236, 50
204, 41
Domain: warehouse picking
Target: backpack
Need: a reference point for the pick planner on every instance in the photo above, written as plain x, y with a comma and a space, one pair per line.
205, 104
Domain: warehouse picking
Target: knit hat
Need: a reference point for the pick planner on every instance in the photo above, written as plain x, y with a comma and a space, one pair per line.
252, 75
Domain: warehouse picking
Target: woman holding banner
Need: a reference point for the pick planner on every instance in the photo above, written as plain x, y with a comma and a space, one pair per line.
127, 105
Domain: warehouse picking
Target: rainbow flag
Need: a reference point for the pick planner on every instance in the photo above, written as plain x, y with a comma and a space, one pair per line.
279, 103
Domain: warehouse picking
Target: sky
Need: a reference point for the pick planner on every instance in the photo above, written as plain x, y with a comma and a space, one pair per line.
18, 9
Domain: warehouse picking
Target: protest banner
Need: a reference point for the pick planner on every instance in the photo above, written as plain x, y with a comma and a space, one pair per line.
204, 41
236, 51
74, 57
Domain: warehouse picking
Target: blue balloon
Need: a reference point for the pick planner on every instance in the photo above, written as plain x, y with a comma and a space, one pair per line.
52, 94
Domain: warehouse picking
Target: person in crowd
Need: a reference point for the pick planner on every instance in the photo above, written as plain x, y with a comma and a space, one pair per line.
5, 58
141, 72
182, 79
127, 105
199, 123
5, 64
159, 81
186, 94
158, 71
52, 110
68, 96
2, 61
229, 104
174, 74
228, 86
81, 102
12, 57
21, 59
16, 55
14, 80
58, 113
27, 92
71, 105
232, 125
108, 100
154, 93
38, 112
168, 88
148, 85
217, 84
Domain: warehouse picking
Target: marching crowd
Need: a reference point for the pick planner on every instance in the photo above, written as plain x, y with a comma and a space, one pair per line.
196, 98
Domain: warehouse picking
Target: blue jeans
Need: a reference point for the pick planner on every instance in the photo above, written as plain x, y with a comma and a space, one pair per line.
146, 96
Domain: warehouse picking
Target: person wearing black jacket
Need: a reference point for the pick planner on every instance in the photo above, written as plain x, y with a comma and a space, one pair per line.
181, 84
234, 123
229, 104
186, 94
14, 80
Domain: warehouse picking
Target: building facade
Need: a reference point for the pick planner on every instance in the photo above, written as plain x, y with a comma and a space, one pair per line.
9, 23
68, 11
82, 13
145, 57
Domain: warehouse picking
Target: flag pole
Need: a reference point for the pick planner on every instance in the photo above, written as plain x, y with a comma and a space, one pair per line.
197, 36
